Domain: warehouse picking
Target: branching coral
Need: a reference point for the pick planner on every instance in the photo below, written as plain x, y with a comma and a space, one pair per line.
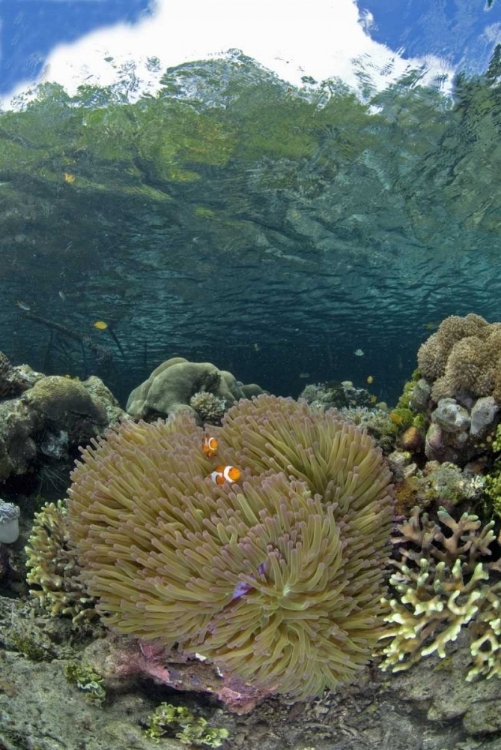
443, 586
277, 579
53, 568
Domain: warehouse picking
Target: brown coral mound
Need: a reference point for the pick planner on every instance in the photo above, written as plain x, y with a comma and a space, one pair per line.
277, 579
463, 358
433, 354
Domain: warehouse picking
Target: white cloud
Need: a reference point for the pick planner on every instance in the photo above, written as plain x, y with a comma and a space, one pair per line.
318, 38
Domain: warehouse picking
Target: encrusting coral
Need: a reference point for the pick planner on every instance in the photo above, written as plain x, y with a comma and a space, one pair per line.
443, 586
277, 579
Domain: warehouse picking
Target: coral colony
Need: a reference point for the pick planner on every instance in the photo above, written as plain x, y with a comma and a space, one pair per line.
255, 542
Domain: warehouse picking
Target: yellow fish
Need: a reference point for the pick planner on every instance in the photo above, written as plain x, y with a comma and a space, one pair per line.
69, 178
101, 325
370, 379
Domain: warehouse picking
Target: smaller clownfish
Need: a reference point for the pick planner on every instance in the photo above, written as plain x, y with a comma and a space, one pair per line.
222, 474
209, 446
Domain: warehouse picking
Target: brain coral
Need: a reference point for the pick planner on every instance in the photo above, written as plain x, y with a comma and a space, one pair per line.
276, 579
463, 358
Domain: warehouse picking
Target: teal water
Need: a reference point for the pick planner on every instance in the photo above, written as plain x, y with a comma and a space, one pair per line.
233, 218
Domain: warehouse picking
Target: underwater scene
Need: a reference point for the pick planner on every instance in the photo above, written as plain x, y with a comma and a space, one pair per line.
250, 386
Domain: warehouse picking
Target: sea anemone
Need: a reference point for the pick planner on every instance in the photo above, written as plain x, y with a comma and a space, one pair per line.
276, 579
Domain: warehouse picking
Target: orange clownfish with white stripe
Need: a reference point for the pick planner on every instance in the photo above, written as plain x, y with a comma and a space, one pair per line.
222, 474
209, 446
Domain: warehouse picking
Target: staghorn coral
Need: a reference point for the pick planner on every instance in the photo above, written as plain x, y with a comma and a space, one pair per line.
276, 580
443, 586
53, 568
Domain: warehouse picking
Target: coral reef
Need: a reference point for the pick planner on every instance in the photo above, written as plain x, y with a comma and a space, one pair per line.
337, 395
458, 393
434, 483
14, 380
50, 419
173, 384
276, 580
377, 421
442, 586
52, 566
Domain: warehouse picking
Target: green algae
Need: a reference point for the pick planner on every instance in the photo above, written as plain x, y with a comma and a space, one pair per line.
194, 730
86, 679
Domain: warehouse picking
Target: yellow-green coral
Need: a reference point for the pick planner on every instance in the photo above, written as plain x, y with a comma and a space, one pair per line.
53, 568
194, 729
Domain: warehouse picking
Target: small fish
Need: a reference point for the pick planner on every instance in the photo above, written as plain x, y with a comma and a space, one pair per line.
101, 325
396, 418
373, 399
69, 178
432, 325
370, 379
222, 474
62, 296
304, 375
256, 347
209, 446
22, 305
359, 352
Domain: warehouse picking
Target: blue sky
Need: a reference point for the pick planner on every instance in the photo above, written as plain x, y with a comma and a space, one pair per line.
461, 32
31, 28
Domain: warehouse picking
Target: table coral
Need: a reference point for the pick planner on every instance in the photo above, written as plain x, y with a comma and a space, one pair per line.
277, 580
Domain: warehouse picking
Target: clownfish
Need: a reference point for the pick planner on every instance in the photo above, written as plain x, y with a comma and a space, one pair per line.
209, 446
222, 474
